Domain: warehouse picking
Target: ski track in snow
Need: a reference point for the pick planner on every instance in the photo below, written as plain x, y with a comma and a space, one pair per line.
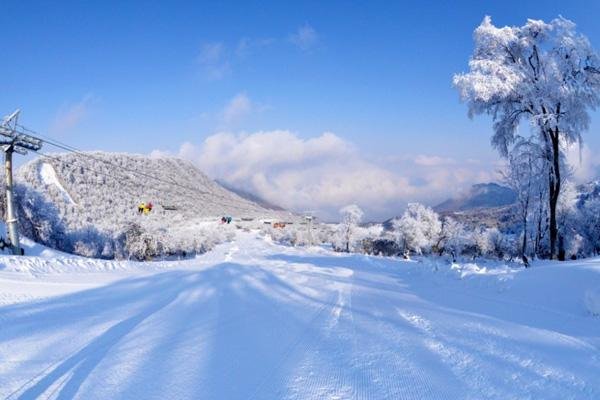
254, 320
49, 178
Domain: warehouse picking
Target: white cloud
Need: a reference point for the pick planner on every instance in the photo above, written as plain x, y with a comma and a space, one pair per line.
71, 115
584, 165
211, 53
247, 46
187, 151
305, 37
326, 172
217, 59
237, 108
213, 60
431, 161
157, 153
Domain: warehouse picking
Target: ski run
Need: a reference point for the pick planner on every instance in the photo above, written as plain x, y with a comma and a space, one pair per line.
252, 319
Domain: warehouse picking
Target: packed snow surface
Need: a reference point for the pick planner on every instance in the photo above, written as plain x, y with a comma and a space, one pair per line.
255, 320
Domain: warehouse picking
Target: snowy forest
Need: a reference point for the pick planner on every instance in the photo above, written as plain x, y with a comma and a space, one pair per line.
87, 204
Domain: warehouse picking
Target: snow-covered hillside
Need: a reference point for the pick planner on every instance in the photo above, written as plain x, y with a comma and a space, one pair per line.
481, 195
88, 205
255, 320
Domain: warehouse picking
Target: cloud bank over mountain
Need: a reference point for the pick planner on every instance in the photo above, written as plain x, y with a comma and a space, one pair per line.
326, 172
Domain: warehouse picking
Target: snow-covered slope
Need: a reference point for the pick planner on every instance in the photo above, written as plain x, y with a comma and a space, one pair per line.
254, 320
111, 185
88, 205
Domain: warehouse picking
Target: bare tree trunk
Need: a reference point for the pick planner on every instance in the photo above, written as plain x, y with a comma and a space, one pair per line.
348, 240
525, 212
561, 248
524, 245
554, 187
538, 234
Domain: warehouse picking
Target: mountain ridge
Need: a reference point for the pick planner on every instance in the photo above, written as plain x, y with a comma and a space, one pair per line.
88, 204
250, 196
480, 195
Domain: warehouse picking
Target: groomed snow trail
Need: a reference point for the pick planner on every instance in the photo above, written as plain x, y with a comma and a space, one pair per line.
254, 320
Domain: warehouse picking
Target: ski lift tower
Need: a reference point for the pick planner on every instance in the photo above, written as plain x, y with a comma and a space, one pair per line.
13, 140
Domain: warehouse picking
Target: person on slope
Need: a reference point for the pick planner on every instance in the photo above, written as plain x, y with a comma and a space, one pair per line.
141, 207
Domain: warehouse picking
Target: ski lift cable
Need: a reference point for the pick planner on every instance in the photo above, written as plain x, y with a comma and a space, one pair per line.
69, 164
123, 180
146, 175
73, 149
81, 153
134, 184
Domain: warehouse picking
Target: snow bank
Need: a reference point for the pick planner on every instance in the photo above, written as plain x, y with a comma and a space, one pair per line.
570, 288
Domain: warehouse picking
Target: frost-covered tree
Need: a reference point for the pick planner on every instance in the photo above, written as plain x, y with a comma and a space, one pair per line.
498, 243
455, 237
538, 232
481, 241
590, 225
418, 228
288, 235
38, 218
567, 216
351, 217
525, 174
544, 73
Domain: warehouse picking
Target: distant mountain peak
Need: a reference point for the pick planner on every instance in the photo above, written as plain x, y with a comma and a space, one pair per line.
480, 195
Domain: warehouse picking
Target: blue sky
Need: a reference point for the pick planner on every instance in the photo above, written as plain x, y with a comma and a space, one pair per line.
143, 76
